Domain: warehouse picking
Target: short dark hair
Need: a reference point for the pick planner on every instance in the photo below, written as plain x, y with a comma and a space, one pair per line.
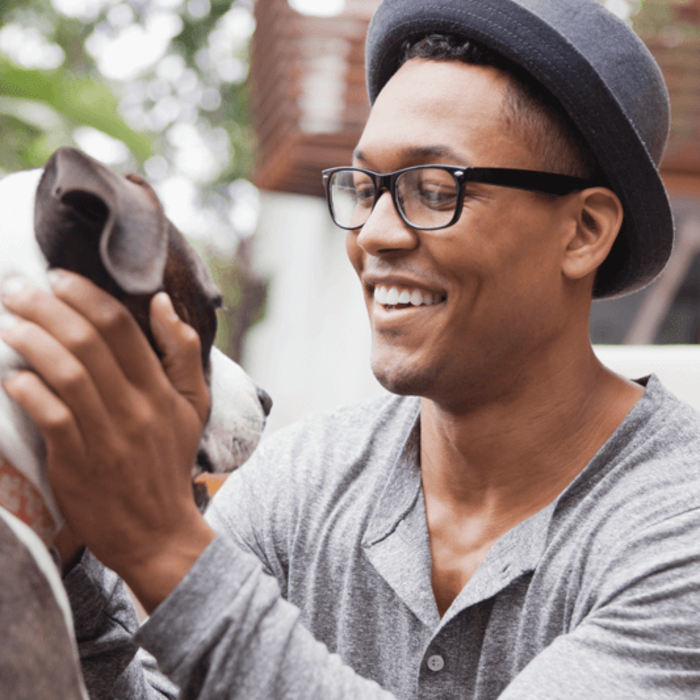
529, 106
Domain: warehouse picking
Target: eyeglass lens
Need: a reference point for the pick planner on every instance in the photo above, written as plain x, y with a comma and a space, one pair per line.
427, 197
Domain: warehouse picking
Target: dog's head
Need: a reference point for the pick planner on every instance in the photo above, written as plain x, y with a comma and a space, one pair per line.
112, 229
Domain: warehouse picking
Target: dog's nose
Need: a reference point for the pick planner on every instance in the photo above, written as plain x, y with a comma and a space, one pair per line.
265, 401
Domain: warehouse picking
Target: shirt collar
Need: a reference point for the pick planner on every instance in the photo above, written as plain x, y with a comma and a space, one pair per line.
397, 542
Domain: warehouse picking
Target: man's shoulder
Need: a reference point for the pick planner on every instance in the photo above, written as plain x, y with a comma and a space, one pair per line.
327, 467
326, 452
656, 447
346, 429
662, 427
646, 474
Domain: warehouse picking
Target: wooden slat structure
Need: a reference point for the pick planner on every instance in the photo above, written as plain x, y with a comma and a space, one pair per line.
671, 30
308, 92
309, 101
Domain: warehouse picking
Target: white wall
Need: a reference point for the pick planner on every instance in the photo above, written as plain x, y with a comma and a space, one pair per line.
311, 352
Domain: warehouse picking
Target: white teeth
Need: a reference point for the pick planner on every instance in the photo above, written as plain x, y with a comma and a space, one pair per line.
416, 297
380, 294
392, 296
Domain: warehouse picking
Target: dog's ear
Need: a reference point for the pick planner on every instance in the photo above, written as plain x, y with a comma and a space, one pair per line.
83, 207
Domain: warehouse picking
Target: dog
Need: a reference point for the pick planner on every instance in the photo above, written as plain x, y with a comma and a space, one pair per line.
77, 214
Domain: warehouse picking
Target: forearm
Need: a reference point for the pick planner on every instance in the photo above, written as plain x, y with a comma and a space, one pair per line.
225, 632
157, 568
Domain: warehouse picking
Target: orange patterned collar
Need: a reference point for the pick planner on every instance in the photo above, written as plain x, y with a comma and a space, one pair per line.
21, 498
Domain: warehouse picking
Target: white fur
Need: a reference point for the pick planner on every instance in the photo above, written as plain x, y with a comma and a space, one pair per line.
236, 419
20, 255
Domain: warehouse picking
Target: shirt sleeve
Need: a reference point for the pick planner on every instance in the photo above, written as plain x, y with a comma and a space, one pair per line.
261, 504
640, 637
225, 632
105, 621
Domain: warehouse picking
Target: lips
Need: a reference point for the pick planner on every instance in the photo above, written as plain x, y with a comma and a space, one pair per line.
392, 295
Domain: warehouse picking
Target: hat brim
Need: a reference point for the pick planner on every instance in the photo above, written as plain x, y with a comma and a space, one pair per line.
645, 241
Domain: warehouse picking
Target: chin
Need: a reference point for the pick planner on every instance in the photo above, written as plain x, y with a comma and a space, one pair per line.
435, 381
405, 371
402, 378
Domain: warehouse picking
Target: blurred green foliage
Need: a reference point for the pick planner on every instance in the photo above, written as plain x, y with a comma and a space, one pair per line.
28, 140
182, 116
79, 94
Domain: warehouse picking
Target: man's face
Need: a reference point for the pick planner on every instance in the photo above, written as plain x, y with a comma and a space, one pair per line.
496, 273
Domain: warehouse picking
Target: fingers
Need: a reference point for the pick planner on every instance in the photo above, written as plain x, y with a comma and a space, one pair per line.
180, 346
47, 411
121, 432
87, 346
61, 371
92, 324
66, 350
117, 327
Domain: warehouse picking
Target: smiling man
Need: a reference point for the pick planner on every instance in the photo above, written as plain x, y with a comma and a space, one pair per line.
518, 521
514, 403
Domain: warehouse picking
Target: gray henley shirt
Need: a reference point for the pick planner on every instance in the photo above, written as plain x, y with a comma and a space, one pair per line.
318, 586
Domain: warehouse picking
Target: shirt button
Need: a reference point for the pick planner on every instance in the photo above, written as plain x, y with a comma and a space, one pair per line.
436, 663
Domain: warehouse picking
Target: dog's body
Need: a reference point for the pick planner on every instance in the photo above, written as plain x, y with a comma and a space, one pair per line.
79, 215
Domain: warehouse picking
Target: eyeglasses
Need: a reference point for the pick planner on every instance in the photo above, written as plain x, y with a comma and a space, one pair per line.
428, 197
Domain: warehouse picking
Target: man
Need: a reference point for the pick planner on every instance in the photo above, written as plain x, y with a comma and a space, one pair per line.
519, 522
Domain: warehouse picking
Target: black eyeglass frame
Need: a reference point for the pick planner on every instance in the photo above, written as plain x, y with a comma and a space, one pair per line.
530, 180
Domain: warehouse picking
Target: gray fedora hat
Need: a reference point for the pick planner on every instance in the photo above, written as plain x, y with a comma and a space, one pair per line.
601, 73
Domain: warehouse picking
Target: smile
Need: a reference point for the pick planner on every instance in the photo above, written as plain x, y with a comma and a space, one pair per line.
405, 296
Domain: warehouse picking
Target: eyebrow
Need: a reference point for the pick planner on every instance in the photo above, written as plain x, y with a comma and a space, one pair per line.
421, 153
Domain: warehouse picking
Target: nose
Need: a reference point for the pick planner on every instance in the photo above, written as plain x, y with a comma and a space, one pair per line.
265, 401
385, 231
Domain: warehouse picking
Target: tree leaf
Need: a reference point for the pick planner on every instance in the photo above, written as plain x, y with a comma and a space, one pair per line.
81, 100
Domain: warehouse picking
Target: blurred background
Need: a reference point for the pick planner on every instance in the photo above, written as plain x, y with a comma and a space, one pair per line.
232, 109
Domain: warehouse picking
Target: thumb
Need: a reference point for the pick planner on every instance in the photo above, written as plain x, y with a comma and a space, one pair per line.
181, 353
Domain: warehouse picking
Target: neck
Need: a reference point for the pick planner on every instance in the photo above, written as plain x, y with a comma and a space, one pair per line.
21, 498
508, 457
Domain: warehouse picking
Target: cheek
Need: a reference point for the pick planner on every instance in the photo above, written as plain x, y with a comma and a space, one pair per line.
520, 299
507, 269
522, 251
537, 273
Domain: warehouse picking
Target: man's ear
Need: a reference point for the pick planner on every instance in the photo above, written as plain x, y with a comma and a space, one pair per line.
599, 215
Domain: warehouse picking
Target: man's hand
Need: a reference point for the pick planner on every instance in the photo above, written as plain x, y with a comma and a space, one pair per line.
69, 547
121, 430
